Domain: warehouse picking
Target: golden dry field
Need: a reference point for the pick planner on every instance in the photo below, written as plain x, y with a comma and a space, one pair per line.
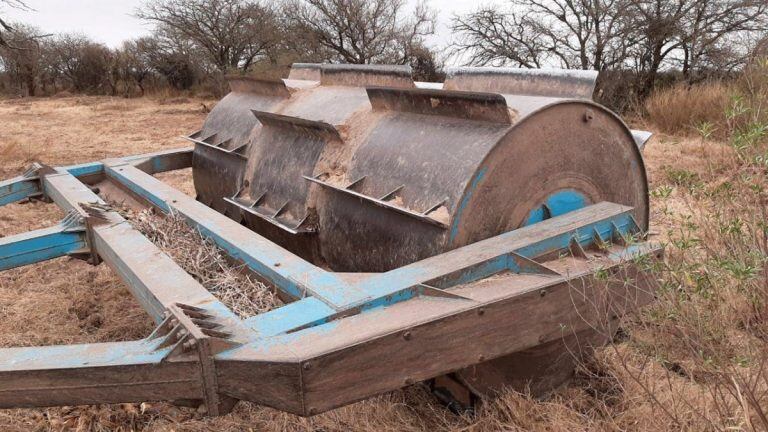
695, 360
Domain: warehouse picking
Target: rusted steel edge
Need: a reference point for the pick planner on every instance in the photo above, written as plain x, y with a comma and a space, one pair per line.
561, 83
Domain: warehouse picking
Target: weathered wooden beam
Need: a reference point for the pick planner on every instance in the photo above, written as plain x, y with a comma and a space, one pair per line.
383, 349
32, 247
155, 280
100, 373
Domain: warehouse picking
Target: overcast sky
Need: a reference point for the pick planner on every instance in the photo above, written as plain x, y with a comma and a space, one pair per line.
111, 21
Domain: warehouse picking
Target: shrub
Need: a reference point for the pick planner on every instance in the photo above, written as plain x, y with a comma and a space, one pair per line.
682, 109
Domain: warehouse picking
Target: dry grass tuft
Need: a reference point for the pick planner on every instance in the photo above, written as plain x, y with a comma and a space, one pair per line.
682, 109
209, 265
15, 156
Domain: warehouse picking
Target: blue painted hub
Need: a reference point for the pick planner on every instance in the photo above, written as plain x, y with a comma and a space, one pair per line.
559, 203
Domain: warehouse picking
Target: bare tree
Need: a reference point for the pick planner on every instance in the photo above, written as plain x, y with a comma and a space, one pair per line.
491, 37
231, 33
136, 63
5, 26
20, 56
574, 34
688, 32
82, 62
718, 33
645, 35
360, 31
172, 59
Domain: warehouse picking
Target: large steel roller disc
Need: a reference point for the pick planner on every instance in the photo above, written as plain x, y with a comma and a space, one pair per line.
556, 160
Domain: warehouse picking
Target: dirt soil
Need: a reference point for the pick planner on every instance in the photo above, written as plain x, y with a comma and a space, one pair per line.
67, 301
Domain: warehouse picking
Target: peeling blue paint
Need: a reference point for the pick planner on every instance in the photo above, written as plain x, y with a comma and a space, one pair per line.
465, 201
37, 246
558, 203
18, 189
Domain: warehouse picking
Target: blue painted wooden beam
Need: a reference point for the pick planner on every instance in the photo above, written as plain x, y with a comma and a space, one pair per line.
99, 373
152, 163
460, 266
289, 317
486, 257
83, 170
40, 245
18, 189
286, 271
154, 279
162, 161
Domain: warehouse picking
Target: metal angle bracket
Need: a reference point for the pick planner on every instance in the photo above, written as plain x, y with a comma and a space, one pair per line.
522, 264
94, 214
191, 331
38, 171
74, 221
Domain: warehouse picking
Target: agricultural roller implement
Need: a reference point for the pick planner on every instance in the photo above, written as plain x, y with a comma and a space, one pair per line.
472, 234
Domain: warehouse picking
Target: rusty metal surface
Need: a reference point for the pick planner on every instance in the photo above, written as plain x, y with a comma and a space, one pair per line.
219, 166
474, 157
560, 83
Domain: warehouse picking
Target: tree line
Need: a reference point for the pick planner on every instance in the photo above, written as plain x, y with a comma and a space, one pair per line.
198, 42
633, 43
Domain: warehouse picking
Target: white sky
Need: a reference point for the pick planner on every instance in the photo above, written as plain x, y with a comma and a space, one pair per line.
111, 21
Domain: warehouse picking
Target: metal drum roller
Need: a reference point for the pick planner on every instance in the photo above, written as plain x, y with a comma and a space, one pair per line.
361, 170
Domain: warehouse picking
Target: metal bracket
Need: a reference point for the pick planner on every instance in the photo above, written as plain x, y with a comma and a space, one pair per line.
423, 217
95, 214
209, 142
297, 227
74, 221
38, 171
189, 329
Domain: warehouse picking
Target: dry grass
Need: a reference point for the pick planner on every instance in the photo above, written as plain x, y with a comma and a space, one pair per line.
693, 361
713, 109
206, 263
683, 109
